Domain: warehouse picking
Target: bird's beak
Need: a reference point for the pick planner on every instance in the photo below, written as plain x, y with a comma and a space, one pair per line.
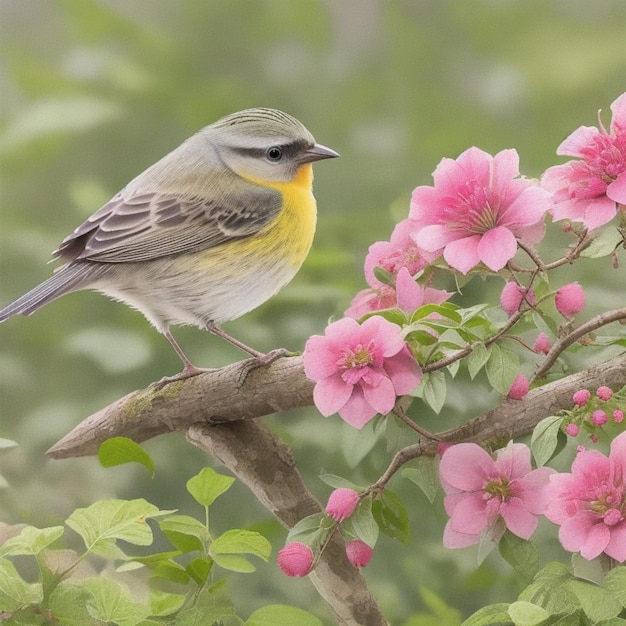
319, 152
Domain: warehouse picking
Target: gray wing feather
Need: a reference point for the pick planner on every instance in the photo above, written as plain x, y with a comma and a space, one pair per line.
152, 225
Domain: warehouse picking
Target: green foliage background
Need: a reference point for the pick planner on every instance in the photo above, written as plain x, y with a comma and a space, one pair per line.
92, 92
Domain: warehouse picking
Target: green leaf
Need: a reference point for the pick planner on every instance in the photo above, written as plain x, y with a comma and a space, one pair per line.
68, 604
361, 524
432, 390
31, 540
527, 614
199, 569
598, 603
310, 528
120, 450
186, 533
15, 592
207, 485
615, 583
357, 444
501, 368
391, 516
604, 243
520, 554
282, 615
337, 482
111, 602
104, 522
237, 541
492, 615
234, 563
6, 444
163, 603
425, 475
477, 359
384, 276
550, 590
441, 612
544, 439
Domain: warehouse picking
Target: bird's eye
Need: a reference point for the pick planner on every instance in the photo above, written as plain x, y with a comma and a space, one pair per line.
274, 154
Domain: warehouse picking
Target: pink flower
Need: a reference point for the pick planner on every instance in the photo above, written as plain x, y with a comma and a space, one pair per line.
618, 416
588, 190
569, 299
572, 429
360, 369
519, 388
590, 503
542, 344
599, 418
479, 490
513, 295
477, 210
341, 503
295, 559
400, 251
581, 397
407, 295
358, 553
604, 393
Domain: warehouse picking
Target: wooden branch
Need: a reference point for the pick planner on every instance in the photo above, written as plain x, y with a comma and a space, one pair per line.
266, 465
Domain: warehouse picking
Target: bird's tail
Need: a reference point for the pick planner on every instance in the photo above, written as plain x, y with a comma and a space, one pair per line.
68, 278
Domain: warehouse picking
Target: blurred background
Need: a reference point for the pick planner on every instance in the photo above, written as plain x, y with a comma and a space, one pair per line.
92, 92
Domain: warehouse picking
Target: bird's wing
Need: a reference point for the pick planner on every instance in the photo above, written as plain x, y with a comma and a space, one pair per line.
150, 225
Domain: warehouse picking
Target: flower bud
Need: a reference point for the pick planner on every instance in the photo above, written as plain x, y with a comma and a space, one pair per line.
604, 393
542, 344
295, 559
341, 503
519, 388
572, 429
599, 417
569, 299
581, 397
618, 416
358, 553
513, 295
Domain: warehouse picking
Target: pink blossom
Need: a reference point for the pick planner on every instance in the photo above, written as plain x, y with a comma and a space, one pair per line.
590, 189
295, 559
542, 344
519, 388
599, 418
572, 429
581, 397
406, 295
358, 553
618, 416
360, 369
400, 251
569, 299
478, 209
513, 295
590, 503
341, 503
480, 490
604, 393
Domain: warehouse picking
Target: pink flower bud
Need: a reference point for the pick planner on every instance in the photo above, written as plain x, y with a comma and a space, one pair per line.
519, 388
295, 559
604, 393
572, 429
358, 553
442, 446
618, 416
581, 397
569, 299
599, 417
341, 503
542, 344
513, 295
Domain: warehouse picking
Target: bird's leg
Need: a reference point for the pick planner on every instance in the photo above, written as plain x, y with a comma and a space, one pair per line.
258, 358
189, 369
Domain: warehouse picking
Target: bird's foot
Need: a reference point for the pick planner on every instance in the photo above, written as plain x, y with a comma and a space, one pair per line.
189, 371
261, 359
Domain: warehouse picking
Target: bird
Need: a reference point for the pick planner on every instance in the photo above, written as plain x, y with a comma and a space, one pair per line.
206, 234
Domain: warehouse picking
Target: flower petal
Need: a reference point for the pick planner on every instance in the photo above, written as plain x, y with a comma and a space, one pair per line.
330, 394
462, 254
466, 466
518, 519
496, 247
357, 412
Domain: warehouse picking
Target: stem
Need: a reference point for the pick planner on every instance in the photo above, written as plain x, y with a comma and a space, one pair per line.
399, 412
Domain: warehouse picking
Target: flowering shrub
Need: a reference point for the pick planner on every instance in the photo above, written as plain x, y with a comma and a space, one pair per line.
407, 335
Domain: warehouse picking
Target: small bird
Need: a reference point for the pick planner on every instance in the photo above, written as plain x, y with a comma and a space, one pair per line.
206, 234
